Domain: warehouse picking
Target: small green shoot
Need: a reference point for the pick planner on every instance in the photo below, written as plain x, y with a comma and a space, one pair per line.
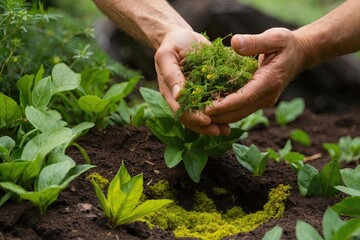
251, 158
121, 205
287, 112
295, 159
300, 136
347, 149
251, 121
213, 71
313, 183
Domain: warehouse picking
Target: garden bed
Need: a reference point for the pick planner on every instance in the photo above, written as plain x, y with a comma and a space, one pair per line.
77, 213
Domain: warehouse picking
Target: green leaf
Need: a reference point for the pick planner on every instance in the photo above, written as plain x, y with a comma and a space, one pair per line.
9, 109
43, 143
102, 199
156, 102
6, 145
300, 136
93, 80
12, 171
133, 190
274, 234
195, 161
349, 206
167, 130
25, 84
42, 120
330, 177
350, 229
93, 104
173, 155
42, 93
351, 177
348, 191
331, 223
304, 231
287, 112
305, 175
143, 209
251, 121
251, 158
64, 79
120, 90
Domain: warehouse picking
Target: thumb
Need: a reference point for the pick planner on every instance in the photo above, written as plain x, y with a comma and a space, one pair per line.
267, 42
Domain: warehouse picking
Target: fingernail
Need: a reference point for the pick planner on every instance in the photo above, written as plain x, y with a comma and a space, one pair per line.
241, 42
175, 91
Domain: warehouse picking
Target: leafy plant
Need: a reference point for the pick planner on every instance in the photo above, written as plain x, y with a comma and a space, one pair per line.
53, 179
300, 136
313, 183
295, 159
287, 112
251, 158
183, 144
212, 72
123, 195
347, 149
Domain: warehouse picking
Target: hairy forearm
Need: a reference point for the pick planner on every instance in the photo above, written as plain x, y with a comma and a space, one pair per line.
145, 20
335, 34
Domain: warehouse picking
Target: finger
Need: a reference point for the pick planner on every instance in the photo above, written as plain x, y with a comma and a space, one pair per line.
168, 66
267, 42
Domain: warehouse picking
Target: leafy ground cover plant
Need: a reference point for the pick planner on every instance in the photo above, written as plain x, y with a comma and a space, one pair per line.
288, 111
212, 72
300, 136
183, 145
121, 205
313, 183
347, 149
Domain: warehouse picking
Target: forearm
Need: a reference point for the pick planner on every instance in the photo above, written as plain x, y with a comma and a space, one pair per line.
145, 20
335, 34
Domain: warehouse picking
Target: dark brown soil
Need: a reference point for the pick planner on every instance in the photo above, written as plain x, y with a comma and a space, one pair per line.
77, 214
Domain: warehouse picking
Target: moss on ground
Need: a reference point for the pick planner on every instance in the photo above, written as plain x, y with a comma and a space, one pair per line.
204, 221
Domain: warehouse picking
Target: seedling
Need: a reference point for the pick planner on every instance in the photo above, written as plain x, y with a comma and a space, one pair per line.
300, 136
313, 183
121, 205
347, 149
213, 71
287, 112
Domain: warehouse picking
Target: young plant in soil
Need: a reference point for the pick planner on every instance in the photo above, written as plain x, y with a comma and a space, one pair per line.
213, 71
123, 195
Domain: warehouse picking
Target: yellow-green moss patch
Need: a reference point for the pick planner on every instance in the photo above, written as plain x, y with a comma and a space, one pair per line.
205, 222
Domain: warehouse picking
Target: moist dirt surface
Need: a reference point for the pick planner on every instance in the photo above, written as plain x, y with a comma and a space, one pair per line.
78, 215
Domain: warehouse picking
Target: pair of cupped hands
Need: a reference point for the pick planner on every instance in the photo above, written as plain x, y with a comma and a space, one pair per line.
281, 56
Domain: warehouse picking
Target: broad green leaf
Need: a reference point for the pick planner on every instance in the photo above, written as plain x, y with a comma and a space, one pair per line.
64, 79
173, 155
195, 161
31, 171
350, 229
156, 102
251, 158
93, 80
351, 177
274, 234
333, 150
74, 173
42, 120
79, 129
167, 130
6, 145
216, 145
304, 178
304, 231
93, 104
133, 190
348, 191
349, 206
42, 93
9, 109
25, 84
115, 196
251, 121
331, 223
300, 136
287, 112
121, 90
190, 136
102, 199
330, 177
54, 174
285, 150
43, 143
123, 174
12, 171
143, 209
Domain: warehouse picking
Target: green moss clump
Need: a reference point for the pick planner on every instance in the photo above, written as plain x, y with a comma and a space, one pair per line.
219, 191
100, 181
162, 190
214, 224
213, 71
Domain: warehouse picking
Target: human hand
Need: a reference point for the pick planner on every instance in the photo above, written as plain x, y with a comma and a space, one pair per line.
281, 58
169, 58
